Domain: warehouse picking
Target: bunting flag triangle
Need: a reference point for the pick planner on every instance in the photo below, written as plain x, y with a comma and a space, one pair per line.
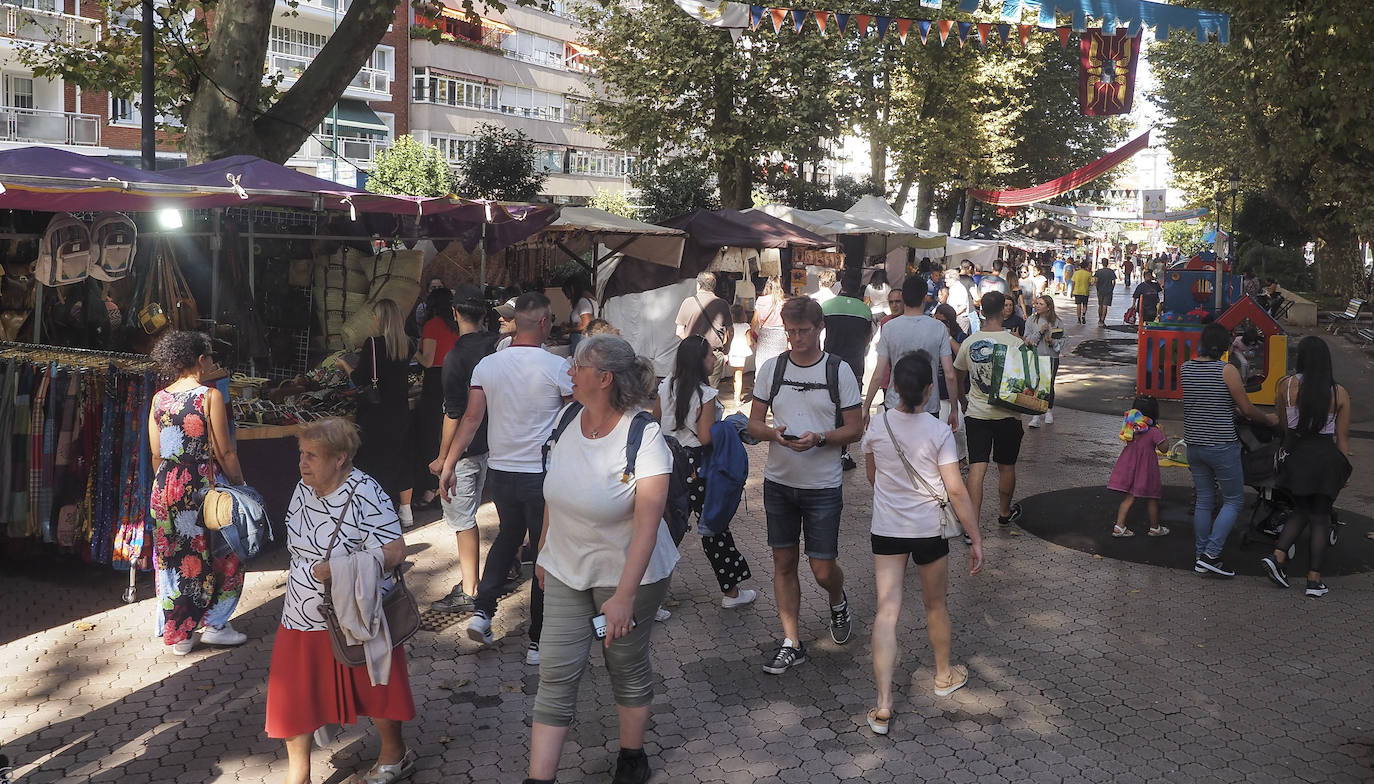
1024, 30
903, 27
964, 27
756, 16
778, 14
842, 22
862, 19
1064, 36
883, 23
799, 19
945, 24
984, 29
821, 18
1003, 31
923, 30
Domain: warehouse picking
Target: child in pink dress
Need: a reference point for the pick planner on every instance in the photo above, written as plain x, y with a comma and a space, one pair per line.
1137, 469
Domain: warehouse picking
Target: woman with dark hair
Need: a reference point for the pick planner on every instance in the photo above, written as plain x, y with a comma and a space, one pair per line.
188, 434
1316, 411
687, 406
437, 337
875, 295
1212, 395
907, 523
580, 296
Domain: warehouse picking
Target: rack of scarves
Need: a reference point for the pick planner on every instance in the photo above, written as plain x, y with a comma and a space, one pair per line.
75, 468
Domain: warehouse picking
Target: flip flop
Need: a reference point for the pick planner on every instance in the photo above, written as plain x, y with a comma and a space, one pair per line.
876, 723
959, 682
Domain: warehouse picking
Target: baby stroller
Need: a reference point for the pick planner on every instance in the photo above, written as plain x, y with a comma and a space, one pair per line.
1259, 448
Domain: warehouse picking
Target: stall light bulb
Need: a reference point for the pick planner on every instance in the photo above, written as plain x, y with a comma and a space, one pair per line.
169, 219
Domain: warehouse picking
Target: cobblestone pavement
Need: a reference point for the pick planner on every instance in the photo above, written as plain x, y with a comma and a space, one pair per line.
1082, 669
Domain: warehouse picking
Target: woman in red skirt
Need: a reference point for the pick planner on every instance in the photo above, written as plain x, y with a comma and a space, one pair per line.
306, 687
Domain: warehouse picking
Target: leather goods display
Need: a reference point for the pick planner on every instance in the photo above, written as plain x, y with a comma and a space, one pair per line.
402, 613
167, 299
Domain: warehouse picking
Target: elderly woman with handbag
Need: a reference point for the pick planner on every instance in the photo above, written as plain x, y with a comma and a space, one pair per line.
919, 503
186, 421
606, 555
336, 512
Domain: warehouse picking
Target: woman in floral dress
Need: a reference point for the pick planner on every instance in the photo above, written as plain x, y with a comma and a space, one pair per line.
194, 588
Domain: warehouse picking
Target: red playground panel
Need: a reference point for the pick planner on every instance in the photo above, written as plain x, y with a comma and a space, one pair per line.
1162, 351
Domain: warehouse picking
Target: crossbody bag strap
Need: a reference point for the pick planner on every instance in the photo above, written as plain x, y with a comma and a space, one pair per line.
911, 472
374, 360
214, 458
338, 522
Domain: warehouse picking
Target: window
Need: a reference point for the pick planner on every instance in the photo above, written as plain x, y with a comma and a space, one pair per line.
18, 91
123, 111
453, 148
526, 102
577, 110
534, 49
452, 91
600, 163
549, 159
295, 43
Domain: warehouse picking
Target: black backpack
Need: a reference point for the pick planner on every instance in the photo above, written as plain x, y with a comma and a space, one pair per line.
832, 381
676, 511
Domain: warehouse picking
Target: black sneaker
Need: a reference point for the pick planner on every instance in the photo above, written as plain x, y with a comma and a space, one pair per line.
840, 623
526, 554
1316, 588
847, 463
456, 602
785, 659
1003, 520
1015, 515
1275, 570
632, 767
1206, 564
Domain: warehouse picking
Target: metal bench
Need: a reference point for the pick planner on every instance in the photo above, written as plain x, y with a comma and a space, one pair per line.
1350, 317
1367, 335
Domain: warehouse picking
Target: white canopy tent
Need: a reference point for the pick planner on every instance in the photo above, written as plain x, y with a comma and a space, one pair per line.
875, 210
613, 236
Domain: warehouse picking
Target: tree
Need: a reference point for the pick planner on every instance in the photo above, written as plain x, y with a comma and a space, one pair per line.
501, 166
210, 59
1185, 235
410, 168
1285, 106
674, 186
614, 202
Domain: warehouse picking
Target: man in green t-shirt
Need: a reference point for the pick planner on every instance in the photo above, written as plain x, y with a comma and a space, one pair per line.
1082, 283
993, 433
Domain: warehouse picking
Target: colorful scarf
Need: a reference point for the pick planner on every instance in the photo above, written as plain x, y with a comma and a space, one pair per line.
1134, 422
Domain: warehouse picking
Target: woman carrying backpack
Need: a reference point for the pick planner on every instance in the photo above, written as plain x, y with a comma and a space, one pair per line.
687, 406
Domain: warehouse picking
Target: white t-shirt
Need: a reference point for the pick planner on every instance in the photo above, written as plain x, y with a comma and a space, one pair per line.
958, 294
685, 432
803, 405
525, 387
911, 333
591, 511
583, 306
877, 299
902, 508
975, 358
369, 523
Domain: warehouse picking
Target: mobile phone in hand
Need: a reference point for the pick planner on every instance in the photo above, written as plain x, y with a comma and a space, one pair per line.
790, 437
599, 625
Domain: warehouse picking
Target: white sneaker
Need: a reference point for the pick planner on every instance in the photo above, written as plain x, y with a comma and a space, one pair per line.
479, 629
1049, 417
1035, 421
662, 615
184, 647
532, 654
225, 635
746, 596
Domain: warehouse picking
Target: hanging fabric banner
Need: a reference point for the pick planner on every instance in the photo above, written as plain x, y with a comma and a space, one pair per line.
779, 15
1003, 32
945, 24
721, 14
1106, 74
1063, 36
799, 19
882, 24
1161, 17
984, 29
756, 13
903, 27
862, 19
842, 22
1074, 179
964, 27
821, 18
1024, 31
923, 29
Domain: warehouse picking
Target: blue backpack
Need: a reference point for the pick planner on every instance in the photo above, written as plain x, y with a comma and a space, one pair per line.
724, 476
675, 511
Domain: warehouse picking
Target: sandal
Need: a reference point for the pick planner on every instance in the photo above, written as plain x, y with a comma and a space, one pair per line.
386, 774
879, 723
1159, 530
959, 681
1119, 532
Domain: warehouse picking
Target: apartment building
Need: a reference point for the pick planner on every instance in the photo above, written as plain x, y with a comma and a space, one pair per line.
44, 111
521, 69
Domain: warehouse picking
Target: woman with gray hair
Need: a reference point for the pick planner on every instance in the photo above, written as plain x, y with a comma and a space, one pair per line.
606, 555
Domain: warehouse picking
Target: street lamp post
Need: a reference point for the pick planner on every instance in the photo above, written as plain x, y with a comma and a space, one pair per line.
1217, 260
148, 115
1231, 237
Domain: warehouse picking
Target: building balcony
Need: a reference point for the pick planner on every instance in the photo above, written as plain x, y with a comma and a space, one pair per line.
32, 24
370, 84
357, 150
18, 124
326, 7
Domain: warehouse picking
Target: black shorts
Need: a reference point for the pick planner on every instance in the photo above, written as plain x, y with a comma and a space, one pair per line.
999, 439
924, 550
1104, 300
1081, 299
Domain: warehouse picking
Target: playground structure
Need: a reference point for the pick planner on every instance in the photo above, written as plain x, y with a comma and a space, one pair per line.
1189, 304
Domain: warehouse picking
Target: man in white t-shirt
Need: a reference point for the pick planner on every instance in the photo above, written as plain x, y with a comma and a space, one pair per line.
520, 390
993, 433
913, 331
957, 297
815, 414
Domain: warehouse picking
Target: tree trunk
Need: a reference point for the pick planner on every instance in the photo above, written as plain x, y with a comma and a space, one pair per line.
736, 182
925, 197
946, 213
1340, 268
903, 193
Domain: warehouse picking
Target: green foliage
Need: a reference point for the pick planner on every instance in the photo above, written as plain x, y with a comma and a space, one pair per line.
804, 195
674, 186
501, 167
412, 169
614, 202
1186, 236
1261, 218
1287, 265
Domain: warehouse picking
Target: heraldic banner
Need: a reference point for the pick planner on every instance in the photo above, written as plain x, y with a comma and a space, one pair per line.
1106, 73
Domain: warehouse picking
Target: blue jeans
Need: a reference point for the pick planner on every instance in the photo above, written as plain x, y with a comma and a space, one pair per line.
519, 500
1215, 465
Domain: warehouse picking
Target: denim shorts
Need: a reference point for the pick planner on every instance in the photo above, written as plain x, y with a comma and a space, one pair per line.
792, 511
460, 510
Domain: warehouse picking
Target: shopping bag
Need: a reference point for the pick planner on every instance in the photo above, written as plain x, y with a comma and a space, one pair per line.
1021, 380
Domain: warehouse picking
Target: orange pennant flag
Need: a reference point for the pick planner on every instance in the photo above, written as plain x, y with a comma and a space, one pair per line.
903, 27
984, 29
945, 24
779, 16
821, 18
863, 24
1064, 36
1025, 31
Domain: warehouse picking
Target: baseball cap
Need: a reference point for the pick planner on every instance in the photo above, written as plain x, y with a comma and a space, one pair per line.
506, 310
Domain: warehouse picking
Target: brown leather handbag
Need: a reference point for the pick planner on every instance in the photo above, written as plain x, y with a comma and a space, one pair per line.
402, 613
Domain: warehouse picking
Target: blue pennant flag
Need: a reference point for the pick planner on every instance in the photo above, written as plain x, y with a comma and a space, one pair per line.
842, 22
964, 27
1003, 30
883, 23
923, 27
755, 16
799, 19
